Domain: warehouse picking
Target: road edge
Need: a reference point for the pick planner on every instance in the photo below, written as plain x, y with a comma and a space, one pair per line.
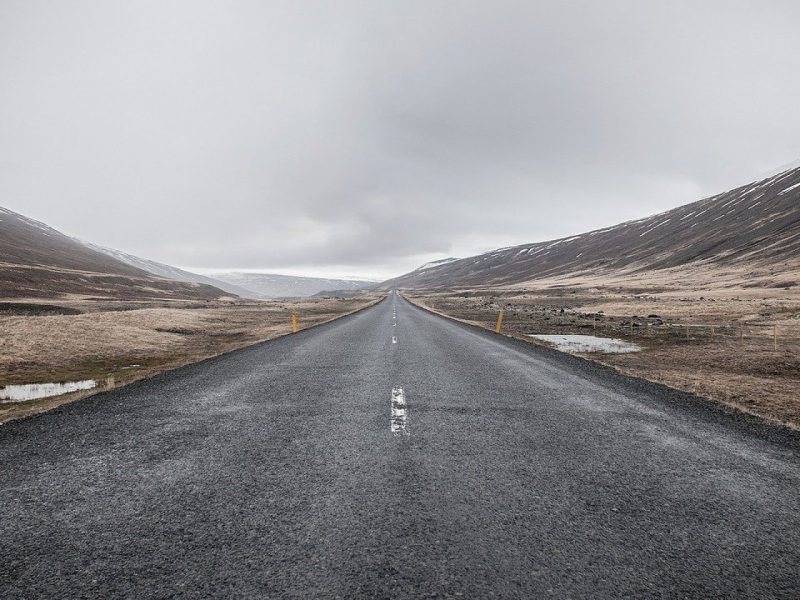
97, 392
671, 398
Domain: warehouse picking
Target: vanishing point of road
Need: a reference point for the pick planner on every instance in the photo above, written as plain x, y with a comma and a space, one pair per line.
394, 453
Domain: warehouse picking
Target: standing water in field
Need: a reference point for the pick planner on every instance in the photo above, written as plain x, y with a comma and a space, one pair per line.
34, 391
587, 343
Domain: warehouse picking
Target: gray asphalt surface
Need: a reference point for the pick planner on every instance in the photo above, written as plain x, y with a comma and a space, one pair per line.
273, 472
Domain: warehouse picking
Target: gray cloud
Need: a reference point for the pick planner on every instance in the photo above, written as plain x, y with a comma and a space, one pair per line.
367, 137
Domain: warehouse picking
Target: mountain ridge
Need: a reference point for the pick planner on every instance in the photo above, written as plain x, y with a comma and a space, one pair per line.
168, 271
758, 222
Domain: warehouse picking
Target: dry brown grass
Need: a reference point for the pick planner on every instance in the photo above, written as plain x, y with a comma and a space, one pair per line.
747, 279
126, 341
751, 376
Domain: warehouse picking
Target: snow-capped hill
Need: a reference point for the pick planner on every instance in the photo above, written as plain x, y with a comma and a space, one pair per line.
435, 263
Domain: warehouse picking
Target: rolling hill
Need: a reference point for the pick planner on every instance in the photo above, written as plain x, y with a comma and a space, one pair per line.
37, 261
754, 229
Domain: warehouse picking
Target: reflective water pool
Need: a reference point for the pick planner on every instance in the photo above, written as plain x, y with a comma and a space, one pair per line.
587, 343
34, 391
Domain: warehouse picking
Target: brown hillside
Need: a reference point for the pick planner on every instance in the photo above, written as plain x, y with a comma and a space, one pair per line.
754, 225
39, 261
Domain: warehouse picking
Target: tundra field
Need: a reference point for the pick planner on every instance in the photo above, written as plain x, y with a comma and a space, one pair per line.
738, 347
117, 342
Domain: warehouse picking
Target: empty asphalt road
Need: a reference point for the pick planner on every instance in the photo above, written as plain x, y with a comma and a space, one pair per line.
383, 456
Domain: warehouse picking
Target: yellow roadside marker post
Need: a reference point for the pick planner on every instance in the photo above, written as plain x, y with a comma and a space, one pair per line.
294, 322
499, 324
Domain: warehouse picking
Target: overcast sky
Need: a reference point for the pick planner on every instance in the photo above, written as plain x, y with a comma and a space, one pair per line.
365, 138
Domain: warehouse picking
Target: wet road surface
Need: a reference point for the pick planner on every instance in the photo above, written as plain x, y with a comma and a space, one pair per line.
396, 454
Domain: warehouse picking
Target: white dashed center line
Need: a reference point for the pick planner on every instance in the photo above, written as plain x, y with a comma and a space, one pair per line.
399, 412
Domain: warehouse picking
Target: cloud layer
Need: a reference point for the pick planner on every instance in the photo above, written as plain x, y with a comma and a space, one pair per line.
365, 138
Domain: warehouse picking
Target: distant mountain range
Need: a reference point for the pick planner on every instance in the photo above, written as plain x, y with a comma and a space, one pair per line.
756, 225
246, 285
270, 285
39, 261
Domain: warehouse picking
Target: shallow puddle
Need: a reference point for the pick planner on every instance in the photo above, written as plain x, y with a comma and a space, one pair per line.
587, 343
34, 391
